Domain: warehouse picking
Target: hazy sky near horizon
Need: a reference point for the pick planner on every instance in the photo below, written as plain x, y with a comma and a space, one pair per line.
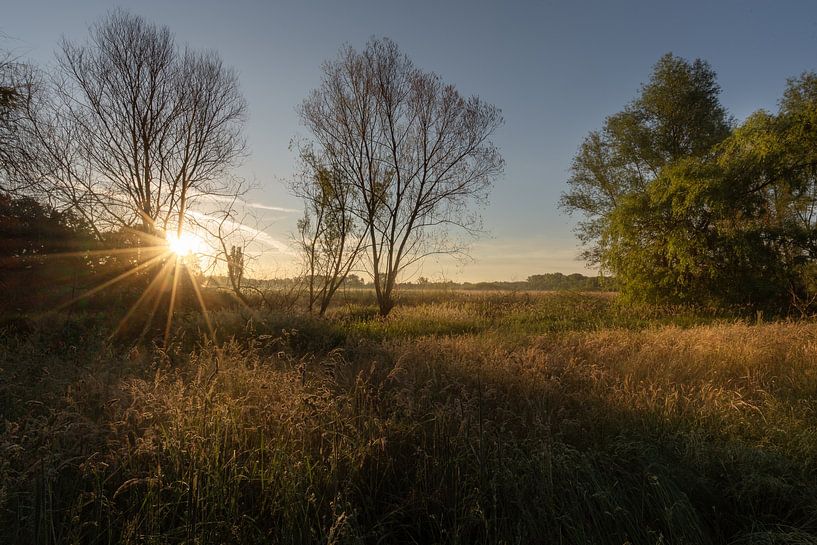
555, 68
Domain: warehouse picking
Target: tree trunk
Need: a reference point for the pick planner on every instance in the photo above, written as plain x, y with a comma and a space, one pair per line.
384, 298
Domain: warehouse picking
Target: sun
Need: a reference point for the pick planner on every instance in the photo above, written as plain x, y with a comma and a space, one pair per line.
183, 245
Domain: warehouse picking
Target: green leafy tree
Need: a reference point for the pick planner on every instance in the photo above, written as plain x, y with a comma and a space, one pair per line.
677, 115
683, 208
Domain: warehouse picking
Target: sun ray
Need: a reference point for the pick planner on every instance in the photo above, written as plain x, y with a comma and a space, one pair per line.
145, 236
86, 253
163, 273
172, 305
203, 306
177, 249
113, 281
156, 302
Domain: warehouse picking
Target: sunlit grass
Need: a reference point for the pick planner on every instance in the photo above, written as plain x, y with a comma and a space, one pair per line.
492, 418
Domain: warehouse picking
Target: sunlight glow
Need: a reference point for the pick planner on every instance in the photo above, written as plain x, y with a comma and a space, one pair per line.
184, 245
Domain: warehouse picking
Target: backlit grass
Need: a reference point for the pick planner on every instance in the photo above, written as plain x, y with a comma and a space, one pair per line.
491, 418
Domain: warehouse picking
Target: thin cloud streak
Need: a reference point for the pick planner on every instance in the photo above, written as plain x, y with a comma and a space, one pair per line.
257, 235
241, 202
273, 208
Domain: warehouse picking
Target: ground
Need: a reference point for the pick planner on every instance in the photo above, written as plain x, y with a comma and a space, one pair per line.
479, 417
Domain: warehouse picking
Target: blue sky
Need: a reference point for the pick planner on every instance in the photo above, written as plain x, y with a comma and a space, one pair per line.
555, 68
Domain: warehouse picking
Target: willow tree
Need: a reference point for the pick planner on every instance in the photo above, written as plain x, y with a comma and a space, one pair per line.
136, 127
682, 206
621, 175
676, 116
414, 152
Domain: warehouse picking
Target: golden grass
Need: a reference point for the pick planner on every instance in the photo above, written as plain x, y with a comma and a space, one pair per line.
484, 419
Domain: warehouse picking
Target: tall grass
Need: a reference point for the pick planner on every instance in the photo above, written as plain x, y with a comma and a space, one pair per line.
481, 419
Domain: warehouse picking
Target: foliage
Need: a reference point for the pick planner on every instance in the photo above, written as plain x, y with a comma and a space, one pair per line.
43, 253
575, 281
676, 116
682, 207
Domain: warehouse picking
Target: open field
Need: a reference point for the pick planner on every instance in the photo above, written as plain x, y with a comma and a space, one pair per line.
463, 418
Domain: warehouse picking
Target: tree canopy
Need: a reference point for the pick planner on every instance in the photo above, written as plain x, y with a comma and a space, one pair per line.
129, 128
682, 204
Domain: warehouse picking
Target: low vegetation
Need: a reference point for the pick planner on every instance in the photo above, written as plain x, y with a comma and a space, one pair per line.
478, 417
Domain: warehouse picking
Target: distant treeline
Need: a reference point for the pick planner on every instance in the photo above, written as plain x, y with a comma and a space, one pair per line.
550, 282
537, 282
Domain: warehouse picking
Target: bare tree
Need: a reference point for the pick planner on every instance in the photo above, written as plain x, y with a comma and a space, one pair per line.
228, 227
9, 98
329, 235
235, 236
414, 152
18, 88
136, 126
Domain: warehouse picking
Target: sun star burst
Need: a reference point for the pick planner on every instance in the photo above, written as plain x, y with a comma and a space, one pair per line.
185, 244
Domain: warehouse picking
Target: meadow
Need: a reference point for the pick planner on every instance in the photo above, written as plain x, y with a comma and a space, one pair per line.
478, 417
